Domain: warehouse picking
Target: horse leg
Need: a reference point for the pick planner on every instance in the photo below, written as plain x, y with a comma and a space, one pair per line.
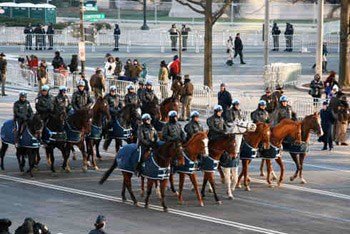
280, 163
118, 144
93, 154
227, 173
97, 149
123, 188
83, 152
21, 162
244, 167
212, 183
71, 148
181, 186
222, 174
142, 186
296, 161
149, 191
3, 150
301, 159
205, 180
269, 169
31, 161
51, 158
262, 174
193, 178
246, 176
66, 155
172, 184
234, 177
129, 187
163, 185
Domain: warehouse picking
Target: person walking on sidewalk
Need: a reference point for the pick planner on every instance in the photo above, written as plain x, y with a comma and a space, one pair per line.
116, 37
239, 48
50, 32
3, 73
229, 51
276, 37
186, 99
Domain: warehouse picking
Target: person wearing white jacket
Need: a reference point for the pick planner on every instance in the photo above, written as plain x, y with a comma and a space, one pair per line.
110, 67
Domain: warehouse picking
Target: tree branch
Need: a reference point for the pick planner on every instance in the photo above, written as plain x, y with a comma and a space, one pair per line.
190, 6
219, 13
200, 3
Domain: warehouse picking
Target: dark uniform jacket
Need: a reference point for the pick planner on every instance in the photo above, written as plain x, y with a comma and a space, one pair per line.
271, 102
61, 103
328, 118
192, 127
57, 62
50, 30
276, 30
22, 111
172, 131
148, 96
238, 44
37, 228
113, 103
260, 116
224, 100
80, 100
132, 98
217, 126
233, 114
147, 135
315, 88
28, 30
44, 105
283, 113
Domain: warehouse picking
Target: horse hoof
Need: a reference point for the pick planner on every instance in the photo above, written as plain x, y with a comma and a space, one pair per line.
262, 174
239, 185
146, 206
247, 188
67, 170
181, 202
142, 194
303, 181
89, 164
219, 202
165, 209
36, 169
291, 178
210, 190
176, 193
136, 204
274, 177
124, 199
201, 204
96, 168
85, 169
271, 186
279, 183
230, 197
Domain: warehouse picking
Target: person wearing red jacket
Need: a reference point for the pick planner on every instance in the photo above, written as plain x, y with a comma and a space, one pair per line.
175, 67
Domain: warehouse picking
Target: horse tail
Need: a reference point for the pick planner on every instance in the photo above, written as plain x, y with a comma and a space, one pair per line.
108, 172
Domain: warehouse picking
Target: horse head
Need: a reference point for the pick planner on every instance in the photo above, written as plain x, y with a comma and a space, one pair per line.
264, 131
174, 151
82, 119
36, 125
312, 122
198, 144
101, 107
243, 126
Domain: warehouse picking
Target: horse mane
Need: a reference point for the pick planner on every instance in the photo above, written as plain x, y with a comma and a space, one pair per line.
204, 134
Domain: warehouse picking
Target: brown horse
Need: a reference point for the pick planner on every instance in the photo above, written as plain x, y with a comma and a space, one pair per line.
252, 139
217, 147
310, 123
167, 105
279, 132
162, 156
195, 146
100, 109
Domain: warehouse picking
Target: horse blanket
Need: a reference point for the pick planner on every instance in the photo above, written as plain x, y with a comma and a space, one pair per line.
117, 131
208, 164
271, 153
246, 151
188, 168
294, 148
128, 157
27, 140
96, 132
51, 136
226, 161
73, 136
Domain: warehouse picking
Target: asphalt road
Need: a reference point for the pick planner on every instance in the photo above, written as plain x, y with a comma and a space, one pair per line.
69, 202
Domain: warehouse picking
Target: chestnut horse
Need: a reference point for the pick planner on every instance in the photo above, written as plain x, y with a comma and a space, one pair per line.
162, 155
168, 104
285, 128
252, 140
195, 146
217, 147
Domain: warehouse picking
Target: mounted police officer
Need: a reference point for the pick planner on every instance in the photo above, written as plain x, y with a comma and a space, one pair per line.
140, 89
147, 137
44, 104
148, 97
260, 115
131, 97
194, 125
283, 111
22, 112
172, 131
81, 98
62, 103
216, 124
113, 102
234, 113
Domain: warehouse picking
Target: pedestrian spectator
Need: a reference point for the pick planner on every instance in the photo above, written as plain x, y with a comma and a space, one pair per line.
173, 37
39, 32
42, 74
50, 32
97, 83
324, 58
289, 37
57, 62
33, 63
316, 87
277, 94
136, 70
329, 83
29, 226
174, 67
100, 225
186, 99
239, 48
176, 87
342, 121
229, 51
73, 66
144, 72
86, 83
276, 37
110, 67
163, 79
3, 73
271, 102
116, 37
127, 68
118, 67
28, 31
4, 226
224, 99
328, 118
184, 33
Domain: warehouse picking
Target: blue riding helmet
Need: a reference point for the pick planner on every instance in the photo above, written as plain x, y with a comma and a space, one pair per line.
81, 83
45, 88
149, 83
235, 102
194, 114
23, 94
218, 108
62, 88
112, 88
172, 113
262, 103
146, 117
283, 99
130, 86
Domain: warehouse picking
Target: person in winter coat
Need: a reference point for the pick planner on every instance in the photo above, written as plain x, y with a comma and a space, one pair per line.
284, 111
342, 121
81, 98
239, 48
127, 68
28, 31
42, 74
118, 67
260, 115
276, 37
172, 131
216, 124
224, 99
50, 32
288, 34
329, 82
73, 66
234, 113
116, 34
110, 67
62, 102
186, 99
194, 125
4, 226
113, 102
176, 87
57, 61
184, 34
271, 102
328, 118
100, 225
22, 112
97, 83
44, 103
163, 79
316, 87
136, 69
229, 51
174, 67
3, 73
173, 37
29, 226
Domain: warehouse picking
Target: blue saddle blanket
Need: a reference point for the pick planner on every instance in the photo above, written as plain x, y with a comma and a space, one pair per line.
117, 131
52, 136
96, 132
151, 170
188, 168
127, 158
294, 148
26, 140
226, 161
247, 152
271, 153
72, 135
208, 164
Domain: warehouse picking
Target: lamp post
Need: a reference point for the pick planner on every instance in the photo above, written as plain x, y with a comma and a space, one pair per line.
82, 36
266, 32
144, 26
180, 48
319, 50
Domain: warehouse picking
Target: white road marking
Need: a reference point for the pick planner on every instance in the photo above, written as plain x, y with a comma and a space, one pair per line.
152, 207
317, 166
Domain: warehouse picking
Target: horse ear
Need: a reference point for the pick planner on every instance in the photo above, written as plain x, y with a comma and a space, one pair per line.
206, 132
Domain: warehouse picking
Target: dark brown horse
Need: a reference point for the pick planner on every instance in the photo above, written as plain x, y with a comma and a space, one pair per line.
253, 139
167, 105
217, 147
162, 156
100, 109
195, 146
310, 123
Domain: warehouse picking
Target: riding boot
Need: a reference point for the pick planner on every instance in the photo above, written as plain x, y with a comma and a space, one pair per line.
106, 143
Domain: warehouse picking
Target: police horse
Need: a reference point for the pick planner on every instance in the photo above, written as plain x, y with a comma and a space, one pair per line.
28, 143
155, 168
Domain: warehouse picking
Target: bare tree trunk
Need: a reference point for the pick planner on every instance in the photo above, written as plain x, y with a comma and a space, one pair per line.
208, 49
344, 55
